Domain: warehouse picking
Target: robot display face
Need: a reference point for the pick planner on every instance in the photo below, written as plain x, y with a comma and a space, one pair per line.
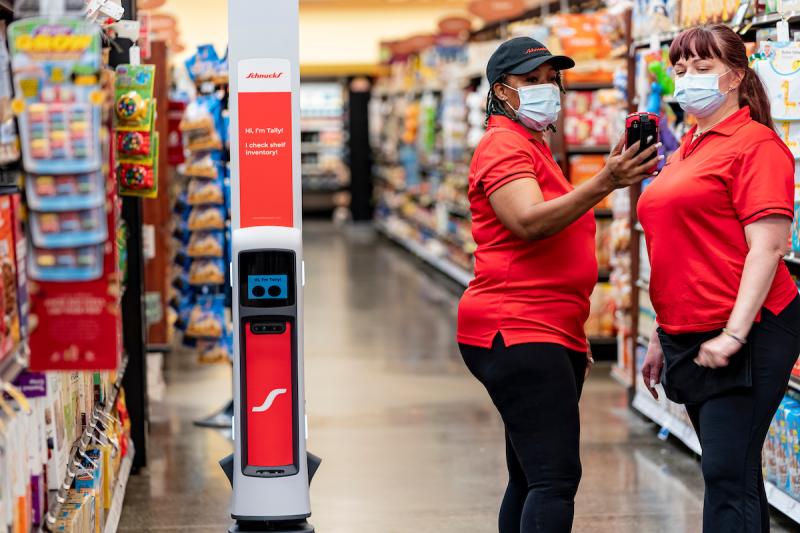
267, 278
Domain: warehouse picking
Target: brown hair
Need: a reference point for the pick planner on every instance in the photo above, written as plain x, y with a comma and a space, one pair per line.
720, 42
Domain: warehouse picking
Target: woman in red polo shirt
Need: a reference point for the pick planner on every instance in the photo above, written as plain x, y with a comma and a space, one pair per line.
717, 223
520, 322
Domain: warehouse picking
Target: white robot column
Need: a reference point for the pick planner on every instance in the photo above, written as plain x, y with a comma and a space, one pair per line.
270, 468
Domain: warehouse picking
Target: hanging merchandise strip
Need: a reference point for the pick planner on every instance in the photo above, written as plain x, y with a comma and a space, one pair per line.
93, 432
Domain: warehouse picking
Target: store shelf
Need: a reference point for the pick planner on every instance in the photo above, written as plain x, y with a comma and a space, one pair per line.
585, 149
588, 86
115, 511
602, 341
656, 412
445, 266
754, 23
782, 501
100, 413
643, 341
622, 376
792, 258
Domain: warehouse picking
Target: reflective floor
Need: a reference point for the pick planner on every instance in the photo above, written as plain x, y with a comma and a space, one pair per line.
410, 443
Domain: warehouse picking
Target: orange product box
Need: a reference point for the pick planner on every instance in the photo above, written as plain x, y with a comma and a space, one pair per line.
583, 168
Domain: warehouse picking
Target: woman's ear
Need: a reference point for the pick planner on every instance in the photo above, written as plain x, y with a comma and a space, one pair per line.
738, 77
500, 91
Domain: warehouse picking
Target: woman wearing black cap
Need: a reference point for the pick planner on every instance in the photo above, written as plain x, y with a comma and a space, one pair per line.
520, 322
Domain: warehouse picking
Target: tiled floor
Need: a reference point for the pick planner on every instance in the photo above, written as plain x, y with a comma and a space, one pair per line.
410, 443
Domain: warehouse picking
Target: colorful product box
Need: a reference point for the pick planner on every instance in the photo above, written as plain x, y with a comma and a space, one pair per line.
9, 311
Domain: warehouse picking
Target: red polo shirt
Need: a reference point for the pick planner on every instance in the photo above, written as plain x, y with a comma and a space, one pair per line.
528, 291
694, 214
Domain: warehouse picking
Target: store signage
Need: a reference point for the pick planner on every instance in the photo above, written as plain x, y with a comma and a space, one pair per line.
265, 143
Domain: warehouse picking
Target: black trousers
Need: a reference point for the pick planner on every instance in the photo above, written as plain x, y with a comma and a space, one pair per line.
536, 388
732, 428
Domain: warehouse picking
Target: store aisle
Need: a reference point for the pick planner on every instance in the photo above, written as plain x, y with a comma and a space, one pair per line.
410, 443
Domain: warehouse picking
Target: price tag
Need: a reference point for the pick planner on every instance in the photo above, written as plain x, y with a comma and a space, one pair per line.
135, 54
655, 42
783, 31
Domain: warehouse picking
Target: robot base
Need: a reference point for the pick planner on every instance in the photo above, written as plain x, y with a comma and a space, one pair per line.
272, 527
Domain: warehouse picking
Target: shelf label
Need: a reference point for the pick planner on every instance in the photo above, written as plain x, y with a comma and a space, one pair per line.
266, 189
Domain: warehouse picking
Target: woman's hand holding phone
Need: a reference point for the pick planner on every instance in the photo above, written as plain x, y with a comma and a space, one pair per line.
626, 166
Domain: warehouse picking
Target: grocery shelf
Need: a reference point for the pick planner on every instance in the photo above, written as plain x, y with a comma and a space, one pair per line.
782, 501
589, 149
755, 22
656, 412
643, 341
792, 258
118, 497
589, 86
601, 340
445, 266
622, 376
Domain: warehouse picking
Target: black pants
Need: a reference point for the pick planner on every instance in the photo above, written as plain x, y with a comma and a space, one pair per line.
536, 388
732, 428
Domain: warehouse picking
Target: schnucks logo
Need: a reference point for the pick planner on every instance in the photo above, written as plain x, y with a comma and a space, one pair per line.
264, 75
532, 50
268, 401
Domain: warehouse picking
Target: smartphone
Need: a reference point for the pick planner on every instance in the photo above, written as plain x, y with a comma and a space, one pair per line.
642, 127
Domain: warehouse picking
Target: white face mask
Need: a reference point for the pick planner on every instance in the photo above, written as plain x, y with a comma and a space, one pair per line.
699, 94
539, 105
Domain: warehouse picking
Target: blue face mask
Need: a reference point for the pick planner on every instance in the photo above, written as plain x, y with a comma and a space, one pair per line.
699, 94
539, 105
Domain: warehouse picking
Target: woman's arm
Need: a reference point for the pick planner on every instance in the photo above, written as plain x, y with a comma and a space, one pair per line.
521, 207
767, 239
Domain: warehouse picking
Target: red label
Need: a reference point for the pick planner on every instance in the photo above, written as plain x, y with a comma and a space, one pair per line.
265, 159
270, 413
78, 324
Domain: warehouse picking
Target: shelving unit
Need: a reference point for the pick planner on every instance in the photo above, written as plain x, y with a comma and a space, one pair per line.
671, 425
323, 137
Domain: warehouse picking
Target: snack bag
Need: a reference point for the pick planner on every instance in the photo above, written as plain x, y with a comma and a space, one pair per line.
206, 244
207, 318
207, 272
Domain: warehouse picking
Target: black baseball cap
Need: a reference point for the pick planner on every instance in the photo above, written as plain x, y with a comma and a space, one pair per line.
521, 55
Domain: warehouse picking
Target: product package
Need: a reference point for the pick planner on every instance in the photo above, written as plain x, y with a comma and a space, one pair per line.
209, 217
207, 318
68, 229
65, 192
63, 339
9, 309
207, 272
136, 142
206, 244
205, 192
56, 65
